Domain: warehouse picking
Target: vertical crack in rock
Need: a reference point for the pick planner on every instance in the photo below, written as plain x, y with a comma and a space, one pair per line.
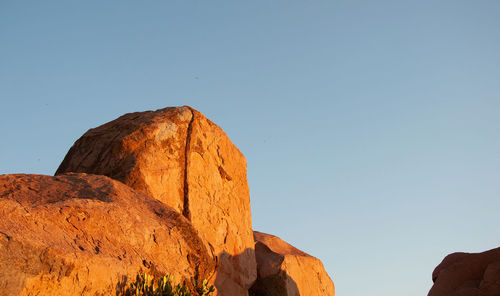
185, 211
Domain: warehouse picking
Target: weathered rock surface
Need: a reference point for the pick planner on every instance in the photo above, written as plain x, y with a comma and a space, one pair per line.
284, 270
468, 274
181, 158
79, 234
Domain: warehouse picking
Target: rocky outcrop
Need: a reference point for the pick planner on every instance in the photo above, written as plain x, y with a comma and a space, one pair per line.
79, 234
468, 274
182, 159
161, 192
283, 270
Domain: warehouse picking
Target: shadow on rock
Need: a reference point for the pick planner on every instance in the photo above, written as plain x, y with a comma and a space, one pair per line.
233, 270
280, 284
271, 279
235, 273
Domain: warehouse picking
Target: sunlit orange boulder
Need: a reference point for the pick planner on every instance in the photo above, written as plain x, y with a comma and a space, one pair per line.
468, 274
79, 234
284, 270
179, 157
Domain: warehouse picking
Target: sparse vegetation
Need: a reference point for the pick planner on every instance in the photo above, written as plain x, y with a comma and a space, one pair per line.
145, 285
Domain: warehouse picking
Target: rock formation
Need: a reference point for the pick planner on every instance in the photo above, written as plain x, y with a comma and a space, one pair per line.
79, 234
468, 274
283, 270
182, 159
161, 192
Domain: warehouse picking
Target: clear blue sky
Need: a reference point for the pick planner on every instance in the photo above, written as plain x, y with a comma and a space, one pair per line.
371, 128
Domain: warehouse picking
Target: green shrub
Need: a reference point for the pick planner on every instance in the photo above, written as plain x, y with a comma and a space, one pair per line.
145, 285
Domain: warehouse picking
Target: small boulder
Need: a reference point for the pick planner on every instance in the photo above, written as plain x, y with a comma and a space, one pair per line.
283, 270
468, 274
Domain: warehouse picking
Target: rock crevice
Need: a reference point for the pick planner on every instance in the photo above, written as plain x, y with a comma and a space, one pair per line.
185, 210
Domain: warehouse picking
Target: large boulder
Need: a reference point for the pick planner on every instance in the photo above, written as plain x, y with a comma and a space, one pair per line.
284, 270
468, 274
79, 234
184, 160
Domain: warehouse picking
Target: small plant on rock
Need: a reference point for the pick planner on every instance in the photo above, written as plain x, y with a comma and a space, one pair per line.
145, 285
204, 289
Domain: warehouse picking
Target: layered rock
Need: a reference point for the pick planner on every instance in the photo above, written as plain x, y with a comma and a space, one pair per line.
182, 159
79, 234
468, 274
284, 270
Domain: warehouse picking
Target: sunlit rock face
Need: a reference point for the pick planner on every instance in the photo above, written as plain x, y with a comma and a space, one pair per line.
184, 160
284, 270
78, 234
468, 274
161, 192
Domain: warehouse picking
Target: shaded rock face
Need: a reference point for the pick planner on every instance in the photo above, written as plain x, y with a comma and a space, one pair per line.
182, 159
283, 270
79, 234
468, 274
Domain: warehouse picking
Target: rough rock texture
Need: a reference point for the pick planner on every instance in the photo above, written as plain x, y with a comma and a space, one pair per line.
79, 234
181, 158
283, 270
468, 274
